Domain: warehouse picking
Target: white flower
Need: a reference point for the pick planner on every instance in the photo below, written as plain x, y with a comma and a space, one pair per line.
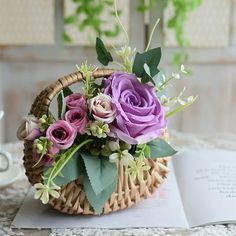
44, 191
190, 99
124, 156
114, 145
175, 75
182, 69
1, 114
102, 108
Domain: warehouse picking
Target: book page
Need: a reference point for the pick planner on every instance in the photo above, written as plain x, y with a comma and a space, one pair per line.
163, 209
207, 184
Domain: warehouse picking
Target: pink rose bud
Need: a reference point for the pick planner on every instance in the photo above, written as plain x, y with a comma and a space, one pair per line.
76, 100
78, 119
29, 129
102, 108
62, 134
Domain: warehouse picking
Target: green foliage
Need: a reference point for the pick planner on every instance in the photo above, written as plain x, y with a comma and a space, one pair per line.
160, 148
101, 172
103, 55
151, 58
57, 168
73, 170
98, 201
180, 108
67, 38
88, 14
67, 91
61, 105
61, 101
177, 22
144, 5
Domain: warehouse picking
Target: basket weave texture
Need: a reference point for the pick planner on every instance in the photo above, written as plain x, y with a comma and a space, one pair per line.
72, 198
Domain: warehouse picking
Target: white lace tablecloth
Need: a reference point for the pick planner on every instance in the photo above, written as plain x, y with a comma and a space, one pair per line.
12, 197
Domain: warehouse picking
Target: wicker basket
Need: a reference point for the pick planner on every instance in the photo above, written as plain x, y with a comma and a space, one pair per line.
72, 199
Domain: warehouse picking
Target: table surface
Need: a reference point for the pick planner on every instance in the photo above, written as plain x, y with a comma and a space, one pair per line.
12, 197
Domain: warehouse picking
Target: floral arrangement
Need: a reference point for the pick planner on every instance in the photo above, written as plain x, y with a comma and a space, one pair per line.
122, 119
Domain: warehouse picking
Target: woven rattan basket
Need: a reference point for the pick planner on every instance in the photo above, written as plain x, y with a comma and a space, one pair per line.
72, 199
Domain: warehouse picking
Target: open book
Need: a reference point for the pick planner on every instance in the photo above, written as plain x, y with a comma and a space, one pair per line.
201, 189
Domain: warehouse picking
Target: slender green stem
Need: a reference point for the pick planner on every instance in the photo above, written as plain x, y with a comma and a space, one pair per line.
42, 154
180, 108
119, 64
164, 83
57, 168
119, 22
151, 35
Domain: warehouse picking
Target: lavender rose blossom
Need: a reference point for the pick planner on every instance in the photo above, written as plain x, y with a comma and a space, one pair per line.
76, 100
78, 119
140, 116
62, 134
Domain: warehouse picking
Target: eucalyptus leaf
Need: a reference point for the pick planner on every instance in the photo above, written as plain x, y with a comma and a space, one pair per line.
150, 60
160, 148
61, 105
72, 171
98, 201
100, 171
103, 55
67, 91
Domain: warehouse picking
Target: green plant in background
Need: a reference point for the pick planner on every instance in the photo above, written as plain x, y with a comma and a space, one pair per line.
177, 22
88, 14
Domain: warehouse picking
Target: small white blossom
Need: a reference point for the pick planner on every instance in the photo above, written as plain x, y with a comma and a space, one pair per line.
44, 191
175, 75
190, 99
124, 156
182, 69
163, 77
114, 146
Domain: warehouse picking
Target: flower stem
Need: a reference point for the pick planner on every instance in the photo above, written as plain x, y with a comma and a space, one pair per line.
151, 35
42, 154
180, 108
119, 22
164, 83
57, 168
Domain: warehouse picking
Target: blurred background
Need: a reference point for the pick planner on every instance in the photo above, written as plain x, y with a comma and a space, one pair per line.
42, 40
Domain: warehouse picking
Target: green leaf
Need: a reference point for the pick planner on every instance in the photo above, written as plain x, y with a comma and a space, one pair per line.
100, 171
71, 19
103, 55
67, 91
149, 59
72, 171
98, 201
67, 38
160, 148
61, 105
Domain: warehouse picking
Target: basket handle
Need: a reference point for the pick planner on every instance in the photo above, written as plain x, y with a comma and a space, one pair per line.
42, 102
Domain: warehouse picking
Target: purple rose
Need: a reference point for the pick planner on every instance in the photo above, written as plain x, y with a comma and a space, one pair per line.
29, 129
62, 134
140, 116
76, 100
78, 119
